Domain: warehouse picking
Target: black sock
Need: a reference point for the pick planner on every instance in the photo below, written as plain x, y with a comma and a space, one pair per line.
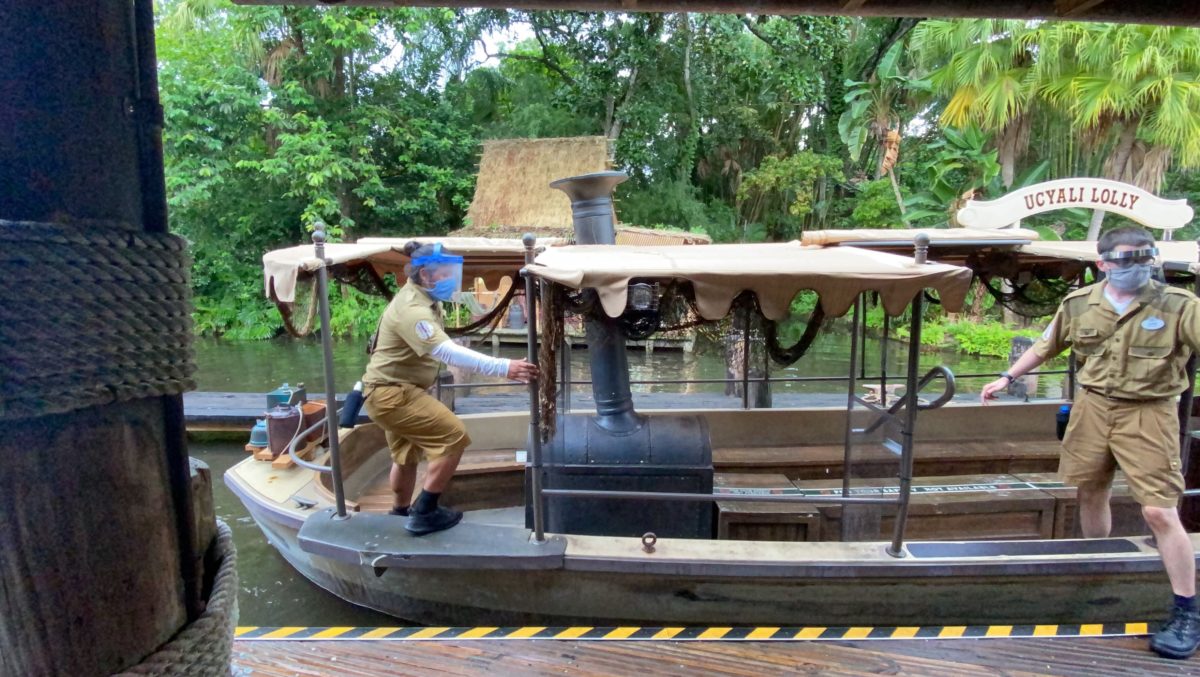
426, 502
402, 511
1186, 603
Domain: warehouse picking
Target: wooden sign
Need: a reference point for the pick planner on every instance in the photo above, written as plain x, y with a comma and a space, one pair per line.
1120, 198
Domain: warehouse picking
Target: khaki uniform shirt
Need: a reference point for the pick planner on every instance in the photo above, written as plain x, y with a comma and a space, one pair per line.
411, 327
1138, 355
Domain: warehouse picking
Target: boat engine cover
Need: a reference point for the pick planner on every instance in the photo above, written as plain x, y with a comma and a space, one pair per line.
666, 453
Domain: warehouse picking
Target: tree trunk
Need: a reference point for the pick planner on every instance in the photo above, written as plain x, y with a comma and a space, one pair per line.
688, 159
614, 131
899, 199
1008, 159
1120, 159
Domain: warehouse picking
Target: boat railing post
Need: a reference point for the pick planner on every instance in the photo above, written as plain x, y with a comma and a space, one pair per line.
920, 257
331, 419
852, 384
883, 355
535, 433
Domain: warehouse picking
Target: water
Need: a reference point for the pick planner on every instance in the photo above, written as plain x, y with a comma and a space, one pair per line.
262, 365
273, 594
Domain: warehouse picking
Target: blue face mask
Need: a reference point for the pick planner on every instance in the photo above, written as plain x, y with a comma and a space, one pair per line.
444, 289
1132, 278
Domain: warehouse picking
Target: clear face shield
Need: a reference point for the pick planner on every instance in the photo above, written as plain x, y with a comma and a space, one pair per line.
442, 273
1125, 259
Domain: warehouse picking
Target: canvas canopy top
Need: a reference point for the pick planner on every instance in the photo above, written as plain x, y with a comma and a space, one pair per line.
775, 272
1184, 254
904, 237
487, 258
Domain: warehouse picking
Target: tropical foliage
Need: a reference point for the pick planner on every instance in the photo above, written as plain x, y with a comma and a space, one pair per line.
744, 127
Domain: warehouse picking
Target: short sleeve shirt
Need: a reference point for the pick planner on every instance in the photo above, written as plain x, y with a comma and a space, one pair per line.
1138, 354
411, 327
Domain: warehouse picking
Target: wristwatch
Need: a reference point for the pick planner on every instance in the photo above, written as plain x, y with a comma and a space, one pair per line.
1010, 377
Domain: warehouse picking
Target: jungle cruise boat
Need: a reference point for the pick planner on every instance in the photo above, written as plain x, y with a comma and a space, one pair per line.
884, 511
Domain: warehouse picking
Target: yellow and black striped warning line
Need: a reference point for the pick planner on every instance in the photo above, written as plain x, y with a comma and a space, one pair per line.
751, 634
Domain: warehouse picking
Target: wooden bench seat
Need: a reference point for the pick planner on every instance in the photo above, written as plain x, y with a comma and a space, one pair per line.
946, 508
749, 521
485, 479
1127, 517
930, 459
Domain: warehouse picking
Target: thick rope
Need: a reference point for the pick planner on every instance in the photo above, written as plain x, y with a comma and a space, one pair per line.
204, 647
89, 315
287, 309
491, 320
551, 314
788, 356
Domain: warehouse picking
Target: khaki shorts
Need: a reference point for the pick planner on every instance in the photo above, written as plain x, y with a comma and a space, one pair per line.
417, 426
1142, 438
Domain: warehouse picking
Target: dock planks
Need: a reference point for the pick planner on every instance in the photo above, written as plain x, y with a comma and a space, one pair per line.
951, 658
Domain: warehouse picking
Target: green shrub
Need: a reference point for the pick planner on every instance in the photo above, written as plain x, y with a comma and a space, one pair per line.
986, 338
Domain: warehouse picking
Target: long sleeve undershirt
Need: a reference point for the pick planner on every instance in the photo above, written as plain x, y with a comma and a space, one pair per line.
455, 355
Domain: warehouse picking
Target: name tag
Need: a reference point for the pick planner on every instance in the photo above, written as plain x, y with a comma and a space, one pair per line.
1153, 323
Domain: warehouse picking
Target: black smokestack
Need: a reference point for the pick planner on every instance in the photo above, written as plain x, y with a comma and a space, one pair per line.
592, 217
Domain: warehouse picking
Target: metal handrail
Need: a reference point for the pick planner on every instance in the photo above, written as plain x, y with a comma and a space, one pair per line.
755, 379
299, 438
890, 412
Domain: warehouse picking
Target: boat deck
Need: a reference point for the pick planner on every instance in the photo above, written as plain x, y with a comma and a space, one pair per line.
1037, 656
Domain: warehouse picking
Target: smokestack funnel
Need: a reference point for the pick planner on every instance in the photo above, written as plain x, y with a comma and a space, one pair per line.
592, 205
592, 218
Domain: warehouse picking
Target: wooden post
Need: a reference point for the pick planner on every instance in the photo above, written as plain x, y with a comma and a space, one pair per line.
1026, 385
97, 567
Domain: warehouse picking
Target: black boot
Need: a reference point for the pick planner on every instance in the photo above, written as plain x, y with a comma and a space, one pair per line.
439, 519
1180, 637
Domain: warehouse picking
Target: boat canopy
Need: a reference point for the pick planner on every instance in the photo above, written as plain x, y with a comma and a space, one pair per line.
487, 258
775, 272
938, 237
1185, 254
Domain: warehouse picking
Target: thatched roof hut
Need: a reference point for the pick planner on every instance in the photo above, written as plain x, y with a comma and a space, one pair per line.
513, 194
512, 189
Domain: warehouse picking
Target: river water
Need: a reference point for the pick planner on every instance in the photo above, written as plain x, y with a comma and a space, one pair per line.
273, 594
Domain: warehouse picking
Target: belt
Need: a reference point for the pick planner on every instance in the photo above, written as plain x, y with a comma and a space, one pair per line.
1127, 400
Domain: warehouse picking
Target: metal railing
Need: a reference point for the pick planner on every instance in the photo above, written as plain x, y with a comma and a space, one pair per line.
300, 437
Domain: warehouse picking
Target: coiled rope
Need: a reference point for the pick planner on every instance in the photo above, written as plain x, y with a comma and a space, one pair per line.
91, 313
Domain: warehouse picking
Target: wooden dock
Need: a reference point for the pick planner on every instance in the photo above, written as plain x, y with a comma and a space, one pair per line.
951, 658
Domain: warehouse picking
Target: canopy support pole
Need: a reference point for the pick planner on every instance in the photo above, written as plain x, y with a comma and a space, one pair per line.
852, 385
331, 418
912, 385
535, 403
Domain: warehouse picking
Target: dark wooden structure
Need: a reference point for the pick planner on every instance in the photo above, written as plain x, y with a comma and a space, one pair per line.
97, 567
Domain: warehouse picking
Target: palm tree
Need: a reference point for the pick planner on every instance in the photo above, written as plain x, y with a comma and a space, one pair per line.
986, 68
1134, 89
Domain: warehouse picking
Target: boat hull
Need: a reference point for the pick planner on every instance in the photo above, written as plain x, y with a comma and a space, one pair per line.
596, 592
